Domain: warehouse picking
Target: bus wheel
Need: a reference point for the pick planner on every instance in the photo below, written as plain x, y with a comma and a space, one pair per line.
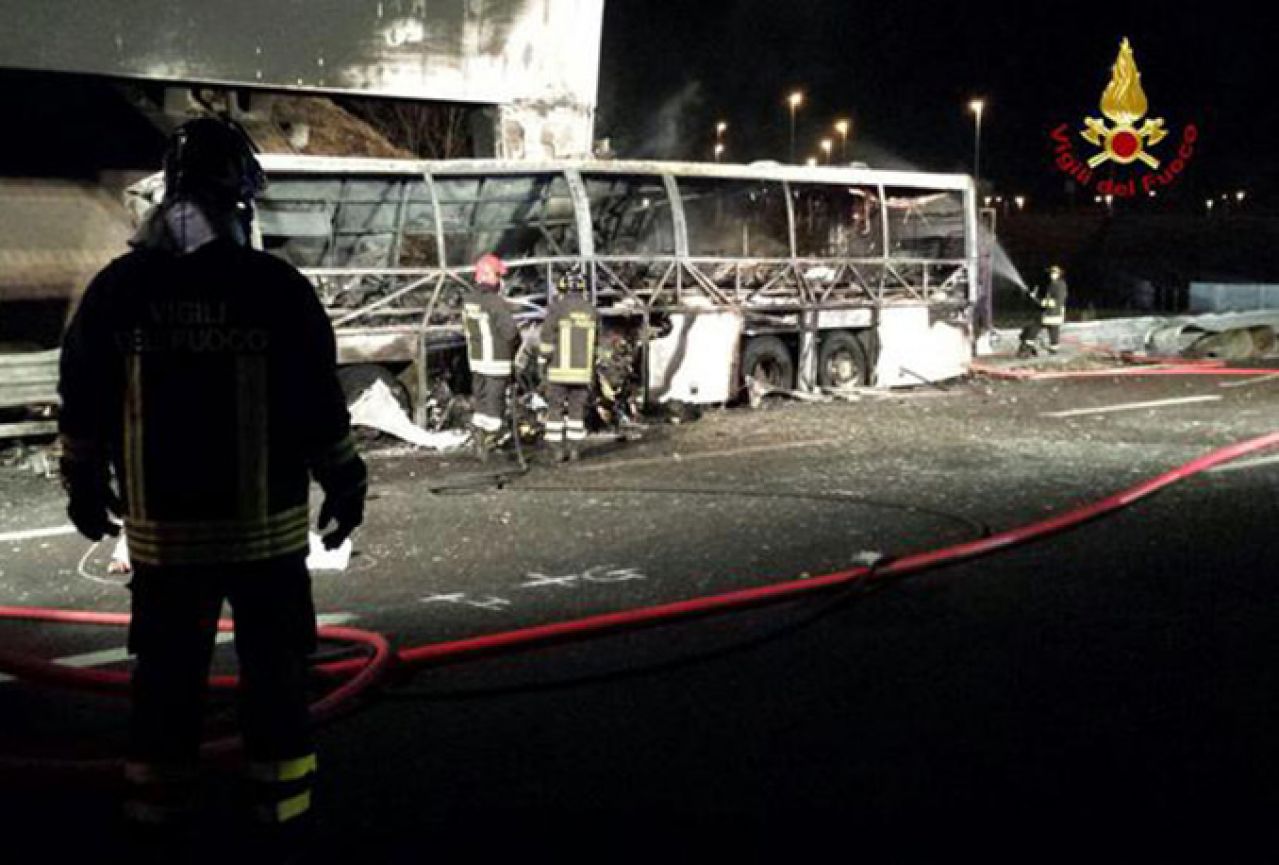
767, 360
358, 378
841, 361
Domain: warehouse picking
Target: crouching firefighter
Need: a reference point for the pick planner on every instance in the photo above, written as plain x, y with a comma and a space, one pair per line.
491, 340
202, 374
567, 356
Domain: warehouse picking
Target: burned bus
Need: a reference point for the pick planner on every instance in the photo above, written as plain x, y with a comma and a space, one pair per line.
710, 276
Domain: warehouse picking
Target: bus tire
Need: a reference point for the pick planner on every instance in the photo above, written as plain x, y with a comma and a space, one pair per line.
842, 361
767, 360
358, 378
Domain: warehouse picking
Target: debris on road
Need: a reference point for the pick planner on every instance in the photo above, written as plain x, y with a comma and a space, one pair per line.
377, 408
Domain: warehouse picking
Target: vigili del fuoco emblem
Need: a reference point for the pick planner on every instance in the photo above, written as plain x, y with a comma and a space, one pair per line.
1126, 139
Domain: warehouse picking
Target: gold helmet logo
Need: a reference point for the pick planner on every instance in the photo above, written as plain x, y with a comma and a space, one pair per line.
1124, 103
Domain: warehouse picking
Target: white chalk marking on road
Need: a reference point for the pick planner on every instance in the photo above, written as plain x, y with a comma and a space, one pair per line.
1247, 381
105, 657
701, 455
1239, 465
465, 600
32, 534
1132, 406
597, 574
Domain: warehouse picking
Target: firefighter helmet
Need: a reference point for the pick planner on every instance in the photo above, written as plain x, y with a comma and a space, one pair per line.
573, 280
489, 269
213, 159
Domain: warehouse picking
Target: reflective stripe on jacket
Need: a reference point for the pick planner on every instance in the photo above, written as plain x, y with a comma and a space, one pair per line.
568, 340
491, 334
209, 379
1054, 304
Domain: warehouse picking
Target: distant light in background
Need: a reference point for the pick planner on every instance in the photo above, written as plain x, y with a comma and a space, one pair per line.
842, 126
1240, 196
795, 100
812, 161
1021, 202
719, 151
1210, 203
827, 144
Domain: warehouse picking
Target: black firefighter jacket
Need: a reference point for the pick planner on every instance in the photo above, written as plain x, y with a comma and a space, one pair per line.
568, 340
208, 381
492, 335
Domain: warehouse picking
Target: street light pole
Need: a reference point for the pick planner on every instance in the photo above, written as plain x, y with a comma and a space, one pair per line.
977, 106
795, 100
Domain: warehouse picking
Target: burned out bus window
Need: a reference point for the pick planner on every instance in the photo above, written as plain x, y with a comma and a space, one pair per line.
295, 215
419, 240
925, 224
516, 216
837, 221
367, 223
735, 218
630, 214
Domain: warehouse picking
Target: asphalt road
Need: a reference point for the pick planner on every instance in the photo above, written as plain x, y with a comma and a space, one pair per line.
1113, 681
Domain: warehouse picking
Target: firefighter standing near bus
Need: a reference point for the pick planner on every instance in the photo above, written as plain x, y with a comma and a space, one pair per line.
567, 357
492, 338
1054, 306
203, 374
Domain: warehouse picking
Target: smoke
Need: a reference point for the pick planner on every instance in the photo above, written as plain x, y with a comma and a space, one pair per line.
672, 132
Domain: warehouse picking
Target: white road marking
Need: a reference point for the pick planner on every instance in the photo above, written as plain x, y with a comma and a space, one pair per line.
1247, 381
31, 534
1131, 406
1244, 464
115, 656
702, 455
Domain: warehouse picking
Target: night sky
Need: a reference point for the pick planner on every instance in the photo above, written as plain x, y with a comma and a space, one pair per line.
906, 70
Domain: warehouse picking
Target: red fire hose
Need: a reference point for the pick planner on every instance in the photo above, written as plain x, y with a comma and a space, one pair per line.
360, 675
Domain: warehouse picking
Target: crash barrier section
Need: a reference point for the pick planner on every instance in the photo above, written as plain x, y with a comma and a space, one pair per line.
359, 676
28, 379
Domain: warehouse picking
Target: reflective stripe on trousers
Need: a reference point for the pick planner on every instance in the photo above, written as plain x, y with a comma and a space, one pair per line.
283, 788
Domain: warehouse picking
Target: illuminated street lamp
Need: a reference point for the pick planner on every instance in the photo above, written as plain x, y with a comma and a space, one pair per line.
826, 146
795, 100
842, 127
977, 107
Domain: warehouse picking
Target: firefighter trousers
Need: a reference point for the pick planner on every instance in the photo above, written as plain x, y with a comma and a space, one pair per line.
175, 614
488, 395
566, 412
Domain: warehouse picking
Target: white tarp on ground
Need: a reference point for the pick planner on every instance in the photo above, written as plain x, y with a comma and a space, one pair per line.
377, 408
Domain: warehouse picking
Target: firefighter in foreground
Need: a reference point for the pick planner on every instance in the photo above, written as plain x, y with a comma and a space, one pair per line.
1052, 314
491, 340
567, 356
203, 374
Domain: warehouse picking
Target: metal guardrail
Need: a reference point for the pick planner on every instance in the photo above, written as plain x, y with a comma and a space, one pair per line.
28, 379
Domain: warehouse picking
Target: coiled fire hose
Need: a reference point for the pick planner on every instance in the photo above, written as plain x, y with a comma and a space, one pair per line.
358, 676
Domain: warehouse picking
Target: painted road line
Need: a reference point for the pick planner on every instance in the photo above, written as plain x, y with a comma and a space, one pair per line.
1131, 406
703, 455
1239, 465
31, 534
1247, 381
116, 656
